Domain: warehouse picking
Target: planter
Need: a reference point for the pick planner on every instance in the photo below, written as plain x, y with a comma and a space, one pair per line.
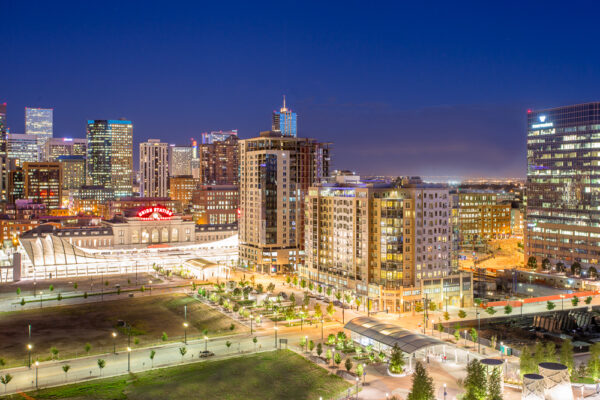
401, 375
351, 376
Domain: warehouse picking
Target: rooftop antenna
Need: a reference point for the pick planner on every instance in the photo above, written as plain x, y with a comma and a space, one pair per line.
283, 109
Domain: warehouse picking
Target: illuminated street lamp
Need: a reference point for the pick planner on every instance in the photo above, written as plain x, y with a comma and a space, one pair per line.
306, 342
128, 359
562, 302
29, 347
445, 391
185, 326
114, 335
150, 285
322, 328
357, 380
37, 364
276, 336
205, 343
41, 299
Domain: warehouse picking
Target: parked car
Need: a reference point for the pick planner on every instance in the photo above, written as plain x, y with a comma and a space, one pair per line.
206, 353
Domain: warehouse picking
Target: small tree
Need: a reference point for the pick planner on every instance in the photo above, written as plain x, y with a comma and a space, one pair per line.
527, 364
87, 348
490, 310
329, 291
101, 365
359, 369
440, 328
588, 300
593, 272
330, 309
550, 305
419, 307
462, 314
396, 363
6, 380
254, 340
566, 355
319, 349
422, 384
545, 264
75, 285
23, 301
182, 351
311, 345
337, 359
593, 366
18, 291
328, 355
474, 335
575, 268
293, 299
164, 337
66, 369
152, 355
456, 332
475, 382
495, 385
560, 267
575, 301
54, 352
51, 287
532, 262
348, 364
432, 306
85, 295
508, 309
318, 311
446, 316
59, 297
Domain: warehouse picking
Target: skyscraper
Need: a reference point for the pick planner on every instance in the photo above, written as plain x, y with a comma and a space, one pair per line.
219, 162
58, 147
3, 122
38, 122
22, 148
275, 174
43, 183
154, 169
110, 155
284, 121
217, 136
3, 154
180, 160
563, 184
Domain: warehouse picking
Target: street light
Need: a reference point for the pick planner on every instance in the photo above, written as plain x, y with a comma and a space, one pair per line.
275, 337
465, 337
364, 373
322, 328
205, 343
478, 331
306, 342
37, 364
150, 284
114, 335
185, 326
41, 299
357, 380
29, 347
562, 303
128, 359
444, 391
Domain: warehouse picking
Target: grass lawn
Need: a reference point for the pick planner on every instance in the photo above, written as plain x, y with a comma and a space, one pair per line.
69, 328
274, 375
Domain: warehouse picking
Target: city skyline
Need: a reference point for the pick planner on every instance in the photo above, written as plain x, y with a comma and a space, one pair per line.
454, 96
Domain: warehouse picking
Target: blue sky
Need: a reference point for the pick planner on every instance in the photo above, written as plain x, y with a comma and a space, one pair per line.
435, 88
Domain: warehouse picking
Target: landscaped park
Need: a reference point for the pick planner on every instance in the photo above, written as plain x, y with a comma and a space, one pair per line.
75, 330
273, 375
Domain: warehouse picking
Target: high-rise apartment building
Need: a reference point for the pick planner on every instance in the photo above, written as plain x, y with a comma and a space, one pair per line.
22, 148
3, 121
219, 162
39, 122
73, 170
3, 153
388, 243
154, 169
285, 121
275, 174
563, 184
180, 160
181, 188
217, 136
43, 183
59, 147
110, 155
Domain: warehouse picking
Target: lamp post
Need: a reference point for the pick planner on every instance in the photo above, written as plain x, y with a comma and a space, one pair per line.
185, 326
150, 284
128, 359
357, 380
251, 329
364, 374
562, 303
41, 299
29, 347
465, 332
522, 306
445, 391
306, 342
478, 330
205, 343
322, 328
37, 364
275, 337
114, 335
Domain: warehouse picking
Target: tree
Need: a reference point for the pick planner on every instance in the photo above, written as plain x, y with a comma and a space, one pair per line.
440, 328
550, 352
560, 267
532, 262
357, 302
446, 316
164, 337
293, 299
271, 287
527, 363
182, 351
85, 295
422, 384
545, 264
152, 354
254, 340
331, 339
51, 287
295, 280
574, 301
348, 364
566, 355
359, 369
508, 309
348, 298
228, 344
462, 314
593, 366
6, 380
87, 348
550, 305
593, 272
456, 332
288, 279
475, 382
318, 311
396, 363
329, 291
311, 345
53, 352
23, 301
330, 309
18, 291
588, 300
495, 385
575, 268
337, 359
66, 369
338, 295
419, 307
319, 349
75, 285
474, 335
101, 365
328, 355
59, 297
490, 310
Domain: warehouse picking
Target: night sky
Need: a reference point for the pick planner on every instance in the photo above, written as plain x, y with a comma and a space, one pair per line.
436, 89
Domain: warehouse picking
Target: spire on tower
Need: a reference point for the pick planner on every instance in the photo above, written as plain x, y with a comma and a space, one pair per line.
283, 109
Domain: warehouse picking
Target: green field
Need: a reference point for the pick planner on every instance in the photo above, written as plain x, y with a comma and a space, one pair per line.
273, 375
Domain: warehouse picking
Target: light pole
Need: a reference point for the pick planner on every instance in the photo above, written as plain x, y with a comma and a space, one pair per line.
322, 328
114, 335
364, 374
251, 330
522, 306
478, 331
306, 342
465, 332
185, 326
29, 347
205, 343
41, 299
357, 380
128, 359
37, 364
445, 391
562, 303
275, 337
150, 284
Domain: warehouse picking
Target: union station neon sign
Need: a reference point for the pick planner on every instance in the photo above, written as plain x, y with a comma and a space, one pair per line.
156, 213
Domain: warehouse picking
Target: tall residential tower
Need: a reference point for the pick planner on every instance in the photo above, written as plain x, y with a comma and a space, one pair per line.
154, 169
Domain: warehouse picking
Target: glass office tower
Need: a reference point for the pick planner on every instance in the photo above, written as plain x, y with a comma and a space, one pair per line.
563, 184
110, 155
284, 121
38, 122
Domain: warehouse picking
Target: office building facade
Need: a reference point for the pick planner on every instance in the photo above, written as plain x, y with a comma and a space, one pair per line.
154, 169
110, 155
180, 160
219, 162
43, 183
216, 205
217, 136
39, 123
59, 147
285, 121
563, 184
275, 174
181, 188
22, 148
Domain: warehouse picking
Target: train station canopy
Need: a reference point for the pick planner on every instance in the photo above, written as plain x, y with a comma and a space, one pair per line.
388, 334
